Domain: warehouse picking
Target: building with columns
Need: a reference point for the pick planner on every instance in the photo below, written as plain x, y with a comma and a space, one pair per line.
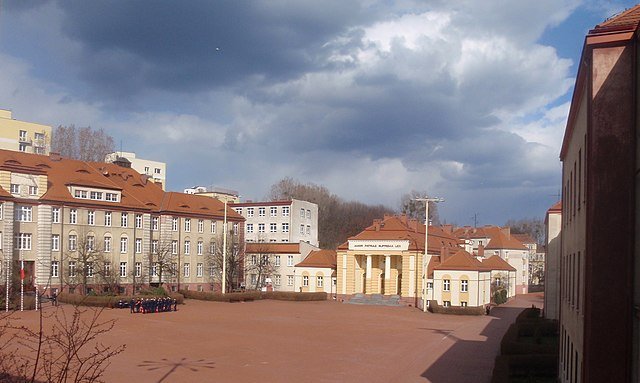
387, 258
97, 226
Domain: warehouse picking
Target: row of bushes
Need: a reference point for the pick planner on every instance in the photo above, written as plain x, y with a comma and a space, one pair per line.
434, 307
254, 295
109, 300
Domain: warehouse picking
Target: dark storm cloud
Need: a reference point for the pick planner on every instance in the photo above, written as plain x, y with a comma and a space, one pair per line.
197, 45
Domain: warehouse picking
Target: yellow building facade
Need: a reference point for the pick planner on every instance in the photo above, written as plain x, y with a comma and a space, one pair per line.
27, 137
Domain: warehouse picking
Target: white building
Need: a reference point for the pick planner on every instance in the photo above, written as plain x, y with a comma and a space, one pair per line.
222, 194
156, 170
280, 221
279, 266
317, 272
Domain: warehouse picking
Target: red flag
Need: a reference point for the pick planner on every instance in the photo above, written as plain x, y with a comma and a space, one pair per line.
21, 274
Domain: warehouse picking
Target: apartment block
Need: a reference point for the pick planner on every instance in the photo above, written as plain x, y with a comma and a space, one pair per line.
280, 221
22, 136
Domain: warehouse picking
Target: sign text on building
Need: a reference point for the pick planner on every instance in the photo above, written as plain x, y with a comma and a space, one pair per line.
373, 245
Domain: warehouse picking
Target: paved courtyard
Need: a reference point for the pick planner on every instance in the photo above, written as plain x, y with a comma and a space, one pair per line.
275, 341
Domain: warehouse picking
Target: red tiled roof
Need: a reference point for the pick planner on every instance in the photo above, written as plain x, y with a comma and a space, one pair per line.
629, 19
272, 248
461, 260
496, 263
524, 238
555, 208
404, 228
468, 232
502, 241
320, 258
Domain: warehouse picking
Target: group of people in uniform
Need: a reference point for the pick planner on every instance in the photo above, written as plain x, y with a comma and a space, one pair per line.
152, 305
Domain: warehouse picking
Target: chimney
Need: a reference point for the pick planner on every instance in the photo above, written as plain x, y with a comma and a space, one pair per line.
54, 156
376, 224
448, 228
480, 250
506, 231
444, 254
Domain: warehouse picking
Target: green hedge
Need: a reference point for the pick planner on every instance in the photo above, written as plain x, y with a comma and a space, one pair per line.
434, 307
107, 300
254, 295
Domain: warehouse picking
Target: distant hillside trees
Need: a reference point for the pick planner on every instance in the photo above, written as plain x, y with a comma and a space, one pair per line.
337, 219
532, 226
85, 144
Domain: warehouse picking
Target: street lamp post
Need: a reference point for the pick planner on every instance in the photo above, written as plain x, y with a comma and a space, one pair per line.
224, 249
426, 201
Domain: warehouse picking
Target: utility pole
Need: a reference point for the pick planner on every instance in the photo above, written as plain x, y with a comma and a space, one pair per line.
426, 201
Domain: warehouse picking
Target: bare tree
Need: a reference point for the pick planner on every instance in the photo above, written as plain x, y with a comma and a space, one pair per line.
260, 264
415, 209
85, 144
214, 260
163, 262
85, 259
68, 351
532, 226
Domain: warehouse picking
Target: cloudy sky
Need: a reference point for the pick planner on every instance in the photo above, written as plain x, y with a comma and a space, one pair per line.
465, 99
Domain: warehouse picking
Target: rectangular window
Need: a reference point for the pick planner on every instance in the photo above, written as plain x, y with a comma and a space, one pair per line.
261, 228
319, 281
213, 227
301, 229
463, 304
199, 269
89, 269
464, 285
285, 227
254, 259
112, 197
154, 270
273, 227
23, 213
301, 213
200, 226
73, 216
124, 217
95, 195
239, 210
91, 217
156, 170
249, 228
154, 246
187, 247
212, 247
276, 279
154, 223
187, 225
138, 221
91, 243
446, 283
174, 224
23, 135
289, 280
54, 269
185, 270
305, 280
274, 211
261, 211
212, 271
174, 247
55, 242
308, 214
72, 268
73, 242
15, 189
285, 211
138, 245
33, 190
277, 260
308, 230
22, 147
107, 244
146, 170
124, 244
55, 215
107, 269
107, 218
446, 303
80, 194
289, 260
200, 247
123, 269
249, 212
138, 269
235, 228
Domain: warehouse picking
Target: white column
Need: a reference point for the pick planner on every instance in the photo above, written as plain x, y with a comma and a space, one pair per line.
412, 276
387, 267
368, 266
